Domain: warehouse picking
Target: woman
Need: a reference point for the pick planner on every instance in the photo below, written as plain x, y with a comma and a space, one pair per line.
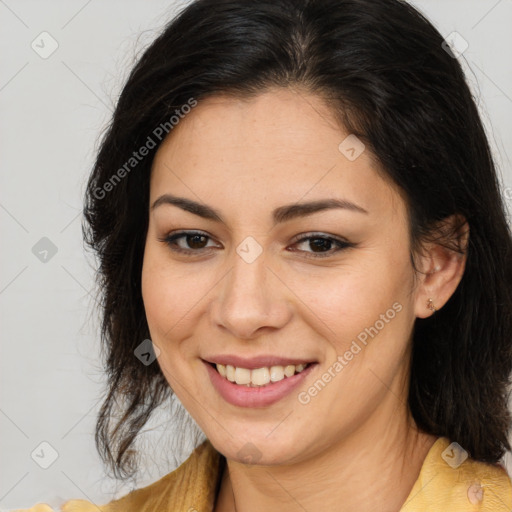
296, 203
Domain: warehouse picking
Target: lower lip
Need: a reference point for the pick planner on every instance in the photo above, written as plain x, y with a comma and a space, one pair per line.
244, 396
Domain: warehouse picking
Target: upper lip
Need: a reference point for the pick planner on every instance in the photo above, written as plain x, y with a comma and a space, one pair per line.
262, 361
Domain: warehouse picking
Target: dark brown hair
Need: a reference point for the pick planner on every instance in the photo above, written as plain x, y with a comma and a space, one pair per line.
394, 84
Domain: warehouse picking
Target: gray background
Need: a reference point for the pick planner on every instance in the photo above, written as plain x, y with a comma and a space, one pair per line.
52, 112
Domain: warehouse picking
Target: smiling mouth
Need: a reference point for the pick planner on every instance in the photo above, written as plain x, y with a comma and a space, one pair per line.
258, 377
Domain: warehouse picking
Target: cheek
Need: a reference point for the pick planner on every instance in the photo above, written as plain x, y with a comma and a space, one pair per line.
160, 290
355, 296
367, 303
174, 296
155, 291
367, 316
160, 287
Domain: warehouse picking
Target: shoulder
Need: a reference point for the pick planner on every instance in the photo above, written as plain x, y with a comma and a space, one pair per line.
450, 480
191, 486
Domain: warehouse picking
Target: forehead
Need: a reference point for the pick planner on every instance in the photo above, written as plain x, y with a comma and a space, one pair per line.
280, 146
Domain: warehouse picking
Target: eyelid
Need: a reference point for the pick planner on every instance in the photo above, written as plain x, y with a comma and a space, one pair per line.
318, 234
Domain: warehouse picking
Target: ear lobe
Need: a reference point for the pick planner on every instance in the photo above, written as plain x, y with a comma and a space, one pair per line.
443, 261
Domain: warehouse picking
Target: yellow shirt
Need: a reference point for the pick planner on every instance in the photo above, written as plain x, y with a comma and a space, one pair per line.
446, 483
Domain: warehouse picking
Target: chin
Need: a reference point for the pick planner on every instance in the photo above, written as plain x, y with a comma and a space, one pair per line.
257, 447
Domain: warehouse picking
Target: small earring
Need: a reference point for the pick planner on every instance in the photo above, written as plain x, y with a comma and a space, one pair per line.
430, 305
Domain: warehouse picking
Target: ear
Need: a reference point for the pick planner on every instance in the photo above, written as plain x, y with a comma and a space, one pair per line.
440, 264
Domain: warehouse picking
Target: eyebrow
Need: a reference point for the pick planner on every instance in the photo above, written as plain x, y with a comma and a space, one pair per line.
281, 214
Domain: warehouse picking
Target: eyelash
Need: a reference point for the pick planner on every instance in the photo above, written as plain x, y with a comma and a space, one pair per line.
171, 239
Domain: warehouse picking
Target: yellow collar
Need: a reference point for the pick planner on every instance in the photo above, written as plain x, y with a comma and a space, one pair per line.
448, 482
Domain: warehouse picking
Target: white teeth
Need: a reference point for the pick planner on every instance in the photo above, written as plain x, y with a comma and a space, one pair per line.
230, 373
242, 376
289, 370
222, 369
258, 376
276, 373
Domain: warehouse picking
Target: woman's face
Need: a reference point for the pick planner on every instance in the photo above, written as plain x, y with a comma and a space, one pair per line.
299, 253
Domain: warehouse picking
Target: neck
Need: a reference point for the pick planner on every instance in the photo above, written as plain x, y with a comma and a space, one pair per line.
372, 469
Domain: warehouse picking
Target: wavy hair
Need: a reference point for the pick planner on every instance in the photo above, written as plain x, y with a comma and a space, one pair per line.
383, 69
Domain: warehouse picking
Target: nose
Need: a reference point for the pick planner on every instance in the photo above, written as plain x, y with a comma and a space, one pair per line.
251, 299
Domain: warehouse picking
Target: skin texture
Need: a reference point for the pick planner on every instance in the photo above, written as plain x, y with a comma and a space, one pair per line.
354, 444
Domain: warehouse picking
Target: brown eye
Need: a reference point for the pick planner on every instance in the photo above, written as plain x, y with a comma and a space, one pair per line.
196, 241
320, 244
316, 246
188, 242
